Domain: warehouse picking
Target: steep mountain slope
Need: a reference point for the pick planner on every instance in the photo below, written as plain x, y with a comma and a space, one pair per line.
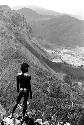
15, 48
13, 29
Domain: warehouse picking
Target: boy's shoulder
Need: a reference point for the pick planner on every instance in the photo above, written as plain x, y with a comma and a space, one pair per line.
25, 74
20, 73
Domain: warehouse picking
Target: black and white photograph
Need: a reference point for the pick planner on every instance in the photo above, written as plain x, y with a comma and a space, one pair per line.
41, 62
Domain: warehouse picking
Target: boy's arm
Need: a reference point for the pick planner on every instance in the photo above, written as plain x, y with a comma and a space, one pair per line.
17, 84
30, 92
30, 88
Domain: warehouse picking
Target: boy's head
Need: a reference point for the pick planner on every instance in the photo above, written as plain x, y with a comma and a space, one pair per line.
24, 67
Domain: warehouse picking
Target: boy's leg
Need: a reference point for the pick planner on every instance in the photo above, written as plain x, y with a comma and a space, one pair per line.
17, 102
26, 94
24, 107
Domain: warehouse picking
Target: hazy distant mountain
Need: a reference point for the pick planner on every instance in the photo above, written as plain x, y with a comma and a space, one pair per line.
44, 11
60, 30
32, 15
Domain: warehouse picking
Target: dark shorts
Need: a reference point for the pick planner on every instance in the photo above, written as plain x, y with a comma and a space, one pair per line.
24, 94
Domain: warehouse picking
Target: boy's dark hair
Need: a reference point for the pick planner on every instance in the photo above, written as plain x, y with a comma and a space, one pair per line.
24, 67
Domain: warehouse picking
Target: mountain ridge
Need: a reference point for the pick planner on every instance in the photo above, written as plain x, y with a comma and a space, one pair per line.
44, 11
31, 14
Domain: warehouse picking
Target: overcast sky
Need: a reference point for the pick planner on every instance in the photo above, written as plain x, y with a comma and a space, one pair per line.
74, 7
